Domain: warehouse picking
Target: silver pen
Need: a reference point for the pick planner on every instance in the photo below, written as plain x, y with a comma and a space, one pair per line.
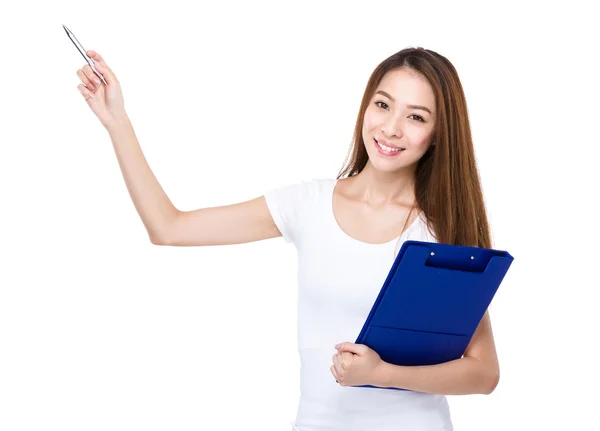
83, 52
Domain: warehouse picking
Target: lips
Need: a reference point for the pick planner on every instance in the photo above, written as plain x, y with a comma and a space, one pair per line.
387, 144
387, 153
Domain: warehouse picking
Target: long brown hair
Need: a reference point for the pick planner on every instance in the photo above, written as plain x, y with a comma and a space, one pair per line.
447, 183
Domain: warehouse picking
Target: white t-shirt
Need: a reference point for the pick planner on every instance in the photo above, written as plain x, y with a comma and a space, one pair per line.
339, 278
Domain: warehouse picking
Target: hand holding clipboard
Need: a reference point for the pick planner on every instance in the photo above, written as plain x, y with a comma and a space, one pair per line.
432, 301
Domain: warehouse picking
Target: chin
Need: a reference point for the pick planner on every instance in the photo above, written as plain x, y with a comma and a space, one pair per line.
389, 168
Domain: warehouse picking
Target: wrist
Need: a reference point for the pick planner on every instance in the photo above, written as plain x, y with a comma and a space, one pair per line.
382, 375
117, 123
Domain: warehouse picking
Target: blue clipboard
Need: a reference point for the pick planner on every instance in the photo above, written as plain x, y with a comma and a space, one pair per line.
432, 301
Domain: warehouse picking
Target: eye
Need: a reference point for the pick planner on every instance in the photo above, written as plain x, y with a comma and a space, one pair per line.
384, 105
419, 117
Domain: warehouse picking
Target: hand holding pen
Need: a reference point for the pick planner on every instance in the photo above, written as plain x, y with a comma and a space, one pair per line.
99, 86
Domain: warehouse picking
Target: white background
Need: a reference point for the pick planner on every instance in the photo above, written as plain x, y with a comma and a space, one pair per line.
101, 330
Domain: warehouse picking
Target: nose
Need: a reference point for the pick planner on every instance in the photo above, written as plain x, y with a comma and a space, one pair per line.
391, 127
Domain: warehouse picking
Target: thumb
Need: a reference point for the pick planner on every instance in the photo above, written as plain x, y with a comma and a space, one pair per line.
357, 349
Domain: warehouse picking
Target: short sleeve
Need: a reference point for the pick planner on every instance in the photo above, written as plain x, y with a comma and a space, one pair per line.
287, 206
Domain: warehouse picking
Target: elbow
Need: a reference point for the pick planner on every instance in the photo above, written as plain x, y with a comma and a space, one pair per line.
157, 239
491, 383
162, 236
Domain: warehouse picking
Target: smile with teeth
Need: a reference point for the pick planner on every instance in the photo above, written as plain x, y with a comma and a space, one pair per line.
386, 148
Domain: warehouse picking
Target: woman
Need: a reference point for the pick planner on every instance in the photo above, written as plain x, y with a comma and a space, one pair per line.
411, 174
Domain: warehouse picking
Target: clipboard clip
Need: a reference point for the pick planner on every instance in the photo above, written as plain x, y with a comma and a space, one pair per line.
462, 258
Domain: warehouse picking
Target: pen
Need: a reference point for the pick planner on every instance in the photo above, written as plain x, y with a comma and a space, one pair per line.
83, 52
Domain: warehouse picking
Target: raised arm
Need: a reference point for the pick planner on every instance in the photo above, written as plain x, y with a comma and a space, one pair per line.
166, 225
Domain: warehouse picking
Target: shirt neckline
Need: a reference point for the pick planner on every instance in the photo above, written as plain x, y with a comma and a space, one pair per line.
351, 238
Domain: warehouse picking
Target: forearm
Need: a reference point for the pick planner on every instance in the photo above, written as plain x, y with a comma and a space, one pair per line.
149, 199
458, 377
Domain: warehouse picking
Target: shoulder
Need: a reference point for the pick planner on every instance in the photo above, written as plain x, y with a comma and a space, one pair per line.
293, 206
302, 191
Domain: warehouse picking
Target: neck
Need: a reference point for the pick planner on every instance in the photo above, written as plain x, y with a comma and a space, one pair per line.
378, 188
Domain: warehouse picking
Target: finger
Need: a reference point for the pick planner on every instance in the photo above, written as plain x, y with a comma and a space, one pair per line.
345, 359
85, 92
85, 80
95, 56
102, 67
106, 73
334, 373
91, 75
337, 364
342, 361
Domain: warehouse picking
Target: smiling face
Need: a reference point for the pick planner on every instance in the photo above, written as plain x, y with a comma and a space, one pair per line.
397, 127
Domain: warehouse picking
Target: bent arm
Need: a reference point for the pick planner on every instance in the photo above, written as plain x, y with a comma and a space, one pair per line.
165, 224
458, 377
477, 372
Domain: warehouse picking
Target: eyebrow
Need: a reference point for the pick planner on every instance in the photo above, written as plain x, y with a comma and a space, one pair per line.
423, 108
